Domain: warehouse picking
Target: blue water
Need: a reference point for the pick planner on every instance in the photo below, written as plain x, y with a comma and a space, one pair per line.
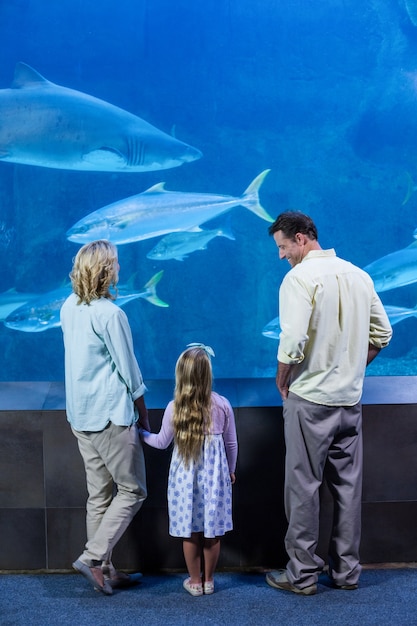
322, 93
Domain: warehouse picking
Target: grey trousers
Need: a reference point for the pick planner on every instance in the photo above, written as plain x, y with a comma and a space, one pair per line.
112, 457
322, 443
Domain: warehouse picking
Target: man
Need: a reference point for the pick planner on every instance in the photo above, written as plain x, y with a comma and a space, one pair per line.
332, 325
104, 399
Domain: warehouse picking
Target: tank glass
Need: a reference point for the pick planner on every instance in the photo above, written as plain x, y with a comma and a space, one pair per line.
179, 130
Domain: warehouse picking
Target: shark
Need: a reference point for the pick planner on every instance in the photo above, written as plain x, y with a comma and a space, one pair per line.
43, 313
45, 124
158, 211
395, 269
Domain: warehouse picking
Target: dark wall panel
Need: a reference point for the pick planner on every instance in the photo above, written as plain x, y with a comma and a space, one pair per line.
43, 494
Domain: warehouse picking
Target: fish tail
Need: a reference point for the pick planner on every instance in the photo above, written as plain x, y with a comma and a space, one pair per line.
150, 290
410, 189
250, 198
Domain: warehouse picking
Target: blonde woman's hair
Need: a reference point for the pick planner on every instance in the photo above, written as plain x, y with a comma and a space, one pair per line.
94, 271
192, 402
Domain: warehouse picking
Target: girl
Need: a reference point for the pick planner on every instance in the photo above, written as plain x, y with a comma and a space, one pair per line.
202, 470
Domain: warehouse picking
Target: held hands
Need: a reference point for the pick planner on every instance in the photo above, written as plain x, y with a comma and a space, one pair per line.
143, 422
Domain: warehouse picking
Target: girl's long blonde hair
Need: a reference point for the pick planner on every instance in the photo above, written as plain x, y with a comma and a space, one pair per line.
95, 271
192, 402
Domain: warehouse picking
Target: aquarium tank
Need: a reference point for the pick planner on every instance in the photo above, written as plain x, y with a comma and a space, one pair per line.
180, 130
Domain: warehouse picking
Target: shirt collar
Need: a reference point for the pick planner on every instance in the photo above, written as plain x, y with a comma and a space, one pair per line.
319, 253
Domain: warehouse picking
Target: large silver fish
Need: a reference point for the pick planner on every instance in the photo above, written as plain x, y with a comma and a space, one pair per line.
12, 299
179, 245
157, 211
396, 269
52, 126
43, 313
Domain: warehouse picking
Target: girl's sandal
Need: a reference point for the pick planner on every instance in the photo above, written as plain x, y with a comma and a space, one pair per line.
209, 587
196, 589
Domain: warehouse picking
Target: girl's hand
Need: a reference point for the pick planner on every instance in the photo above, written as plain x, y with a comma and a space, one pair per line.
232, 478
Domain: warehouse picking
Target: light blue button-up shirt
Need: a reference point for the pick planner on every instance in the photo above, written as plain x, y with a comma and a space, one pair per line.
102, 376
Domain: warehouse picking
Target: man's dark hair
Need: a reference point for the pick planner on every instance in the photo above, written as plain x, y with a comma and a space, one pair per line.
292, 222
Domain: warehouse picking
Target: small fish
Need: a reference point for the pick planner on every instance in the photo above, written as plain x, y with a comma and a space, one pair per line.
43, 312
179, 245
156, 212
399, 313
272, 330
53, 126
394, 270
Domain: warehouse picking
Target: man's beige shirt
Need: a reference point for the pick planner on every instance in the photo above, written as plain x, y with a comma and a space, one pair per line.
329, 313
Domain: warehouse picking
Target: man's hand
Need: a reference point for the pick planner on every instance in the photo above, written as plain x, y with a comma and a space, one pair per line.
283, 379
143, 421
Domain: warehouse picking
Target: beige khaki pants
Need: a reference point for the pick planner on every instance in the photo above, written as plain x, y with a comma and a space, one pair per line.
116, 483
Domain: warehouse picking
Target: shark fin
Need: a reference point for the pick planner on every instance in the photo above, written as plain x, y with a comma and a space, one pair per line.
250, 198
156, 188
24, 76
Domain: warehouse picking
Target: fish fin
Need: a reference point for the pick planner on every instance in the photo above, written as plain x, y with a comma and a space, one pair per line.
154, 280
250, 198
25, 76
150, 287
410, 189
156, 188
131, 282
180, 257
156, 301
226, 232
412, 245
